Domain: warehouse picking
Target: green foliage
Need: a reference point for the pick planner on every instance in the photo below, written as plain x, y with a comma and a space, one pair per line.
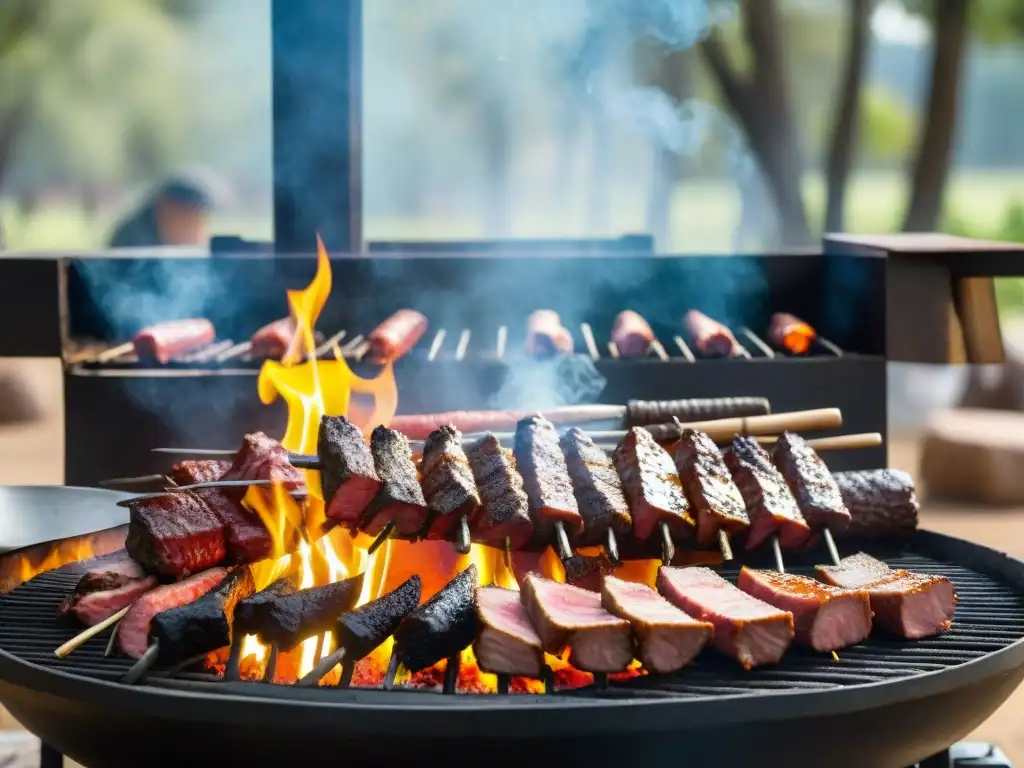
887, 126
994, 21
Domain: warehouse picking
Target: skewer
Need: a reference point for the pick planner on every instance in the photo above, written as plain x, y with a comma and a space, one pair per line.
833, 551
462, 540
352, 345
143, 665
562, 542
724, 544
780, 565
764, 348
232, 670
110, 641
451, 673
684, 349
237, 350
508, 553
588, 339
460, 350
348, 669
668, 547
328, 345
612, 548
325, 665
435, 345
613, 350
392, 670
659, 350
271, 670
361, 351
499, 347
82, 637
383, 536
118, 482
833, 348
115, 352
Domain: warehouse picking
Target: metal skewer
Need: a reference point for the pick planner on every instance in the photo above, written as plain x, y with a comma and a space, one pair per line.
562, 542
143, 665
612, 548
780, 565
111, 640
325, 665
724, 544
383, 536
462, 540
119, 482
232, 670
833, 551
668, 547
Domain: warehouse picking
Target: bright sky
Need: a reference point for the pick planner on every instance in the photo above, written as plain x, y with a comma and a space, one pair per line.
894, 25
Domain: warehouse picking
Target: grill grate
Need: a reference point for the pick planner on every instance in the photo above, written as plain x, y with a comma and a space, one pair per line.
990, 616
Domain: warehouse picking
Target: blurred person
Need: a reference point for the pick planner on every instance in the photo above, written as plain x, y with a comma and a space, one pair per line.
176, 212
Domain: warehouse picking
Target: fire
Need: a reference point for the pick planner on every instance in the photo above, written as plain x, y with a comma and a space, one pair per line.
28, 563
798, 337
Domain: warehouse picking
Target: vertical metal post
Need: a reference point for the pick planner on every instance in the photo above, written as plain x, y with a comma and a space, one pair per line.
317, 119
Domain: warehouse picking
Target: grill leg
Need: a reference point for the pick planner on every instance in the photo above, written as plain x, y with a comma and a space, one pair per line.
50, 757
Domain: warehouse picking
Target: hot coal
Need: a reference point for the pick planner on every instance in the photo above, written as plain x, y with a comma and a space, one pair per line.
652, 487
442, 626
448, 483
507, 644
295, 617
713, 495
546, 477
400, 498
347, 474
253, 612
175, 535
360, 631
597, 486
811, 482
505, 507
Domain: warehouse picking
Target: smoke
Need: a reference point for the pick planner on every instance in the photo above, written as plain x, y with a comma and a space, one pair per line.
545, 384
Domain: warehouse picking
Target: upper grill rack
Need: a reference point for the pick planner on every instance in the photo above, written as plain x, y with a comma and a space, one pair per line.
990, 616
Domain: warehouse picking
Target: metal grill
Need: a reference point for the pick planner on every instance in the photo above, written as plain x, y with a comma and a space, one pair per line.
990, 616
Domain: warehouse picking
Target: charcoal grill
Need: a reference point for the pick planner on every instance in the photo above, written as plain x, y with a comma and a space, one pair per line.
883, 703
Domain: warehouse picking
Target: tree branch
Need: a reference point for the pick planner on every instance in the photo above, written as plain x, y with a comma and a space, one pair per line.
735, 89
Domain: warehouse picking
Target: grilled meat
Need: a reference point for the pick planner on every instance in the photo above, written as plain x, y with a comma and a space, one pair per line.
448, 483
347, 475
442, 626
507, 644
253, 612
546, 477
261, 457
713, 495
597, 486
908, 605
505, 508
109, 572
546, 336
812, 484
400, 498
164, 341
769, 502
746, 629
665, 638
198, 471
275, 339
293, 618
631, 334
826, 618
397, 335
360, 631
710, 337
175, 535
133, 631
585, 571
203, 625
882, 503
789, 332
96, 605
567, 616
652, 487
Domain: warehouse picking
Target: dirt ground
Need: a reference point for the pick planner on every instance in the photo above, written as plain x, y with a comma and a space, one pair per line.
33, 454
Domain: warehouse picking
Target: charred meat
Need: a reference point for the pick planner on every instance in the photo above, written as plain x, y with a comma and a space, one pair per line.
882, 503
198, 471
713, 496
826, 618
507, 644
546, 477
203, 625
597, 486
505, 508
360, 631
770, 503
448, 483
175, 535
253, 612
400, 498
746, 629
567, 616
442, 626
811, 482
300, 615
666, 639
652, 487
347, 475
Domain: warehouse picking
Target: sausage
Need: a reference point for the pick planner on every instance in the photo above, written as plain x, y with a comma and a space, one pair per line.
546, 336
710, 337
631, 334
275, 339
164, 341
789, 332
419, 426
397, 335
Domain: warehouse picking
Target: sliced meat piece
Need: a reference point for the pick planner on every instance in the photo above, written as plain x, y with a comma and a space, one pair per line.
631, 334
597, 486
397, 335
546, 477
642, 412
400, 498
253, 612
442, 626
811, 482
111, 573
91, 608
360, 631
261, 457
826, 618
507, 644
882, 503
164, 341
275, 339
854, 572
652, 487
347, 475
203, 625
505, 507
666, 639
546, 336
448, 483
133, 631
770, 503
585, 571
713, 495
567, 616
246, 537
198, 471
295, 617
710, 337
746, 629
790, 333
175, 535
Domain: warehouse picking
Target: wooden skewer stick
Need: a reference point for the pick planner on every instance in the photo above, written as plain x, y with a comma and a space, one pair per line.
324, 666
833, 551
562, 542
81, 638
780, 564
462, 540
451, 673
392, 670
838, 443
612, 548
668, 547
271, 670
383, 536
143, 665
724, 545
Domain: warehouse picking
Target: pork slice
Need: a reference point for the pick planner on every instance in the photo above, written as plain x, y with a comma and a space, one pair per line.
507, 643
99, 605
175, 535
567, 616
133, 631
597, 486
913, 605
770, 503
505, 508
652, 487
347, 474
448, 483
854, 572
709, 487
546, 477
826, 618
811, 482
666, 639
746, 629
400, 498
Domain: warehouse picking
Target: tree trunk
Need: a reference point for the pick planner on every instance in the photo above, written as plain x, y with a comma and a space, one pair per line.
930, 171
11, 124
847, 116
